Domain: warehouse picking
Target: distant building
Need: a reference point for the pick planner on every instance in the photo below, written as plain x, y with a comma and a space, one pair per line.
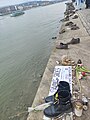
12, 8
44, 3
19, 7
25, 6
5, 10
2, 10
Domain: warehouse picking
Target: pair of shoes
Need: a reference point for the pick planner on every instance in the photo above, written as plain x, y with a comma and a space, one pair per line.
74, 27
63, 85
61, 107
75, 17
74, 41
65, 46
65, 19
69, 23
62, 31
62, 46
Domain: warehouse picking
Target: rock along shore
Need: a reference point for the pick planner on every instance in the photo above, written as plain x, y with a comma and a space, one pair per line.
77, 51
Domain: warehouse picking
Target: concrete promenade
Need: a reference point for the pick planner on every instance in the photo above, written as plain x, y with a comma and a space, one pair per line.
77, 51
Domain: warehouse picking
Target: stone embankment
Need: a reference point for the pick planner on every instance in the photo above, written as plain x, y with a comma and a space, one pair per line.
76, 51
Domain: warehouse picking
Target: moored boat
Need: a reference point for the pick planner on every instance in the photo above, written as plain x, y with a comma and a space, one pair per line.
17, 13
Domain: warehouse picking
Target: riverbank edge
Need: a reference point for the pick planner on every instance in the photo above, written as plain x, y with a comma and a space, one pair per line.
55, 56
43, 89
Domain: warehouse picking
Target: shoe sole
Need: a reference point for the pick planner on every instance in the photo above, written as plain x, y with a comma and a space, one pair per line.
63, 114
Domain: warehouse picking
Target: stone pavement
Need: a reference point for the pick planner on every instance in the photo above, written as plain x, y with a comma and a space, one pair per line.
85, 18
78, 51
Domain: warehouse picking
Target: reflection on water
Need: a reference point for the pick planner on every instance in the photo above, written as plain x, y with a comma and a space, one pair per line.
25, 47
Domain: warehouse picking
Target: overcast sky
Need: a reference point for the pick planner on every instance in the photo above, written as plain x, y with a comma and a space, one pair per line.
11, 2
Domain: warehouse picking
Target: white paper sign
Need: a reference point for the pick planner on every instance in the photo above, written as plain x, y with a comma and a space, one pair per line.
61, 73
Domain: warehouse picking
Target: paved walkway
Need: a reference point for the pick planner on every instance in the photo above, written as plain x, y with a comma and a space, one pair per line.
79, 51
85, 18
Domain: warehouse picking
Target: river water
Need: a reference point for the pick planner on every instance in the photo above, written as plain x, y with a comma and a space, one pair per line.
25, 47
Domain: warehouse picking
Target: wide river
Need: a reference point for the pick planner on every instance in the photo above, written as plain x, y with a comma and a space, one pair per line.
25, 47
